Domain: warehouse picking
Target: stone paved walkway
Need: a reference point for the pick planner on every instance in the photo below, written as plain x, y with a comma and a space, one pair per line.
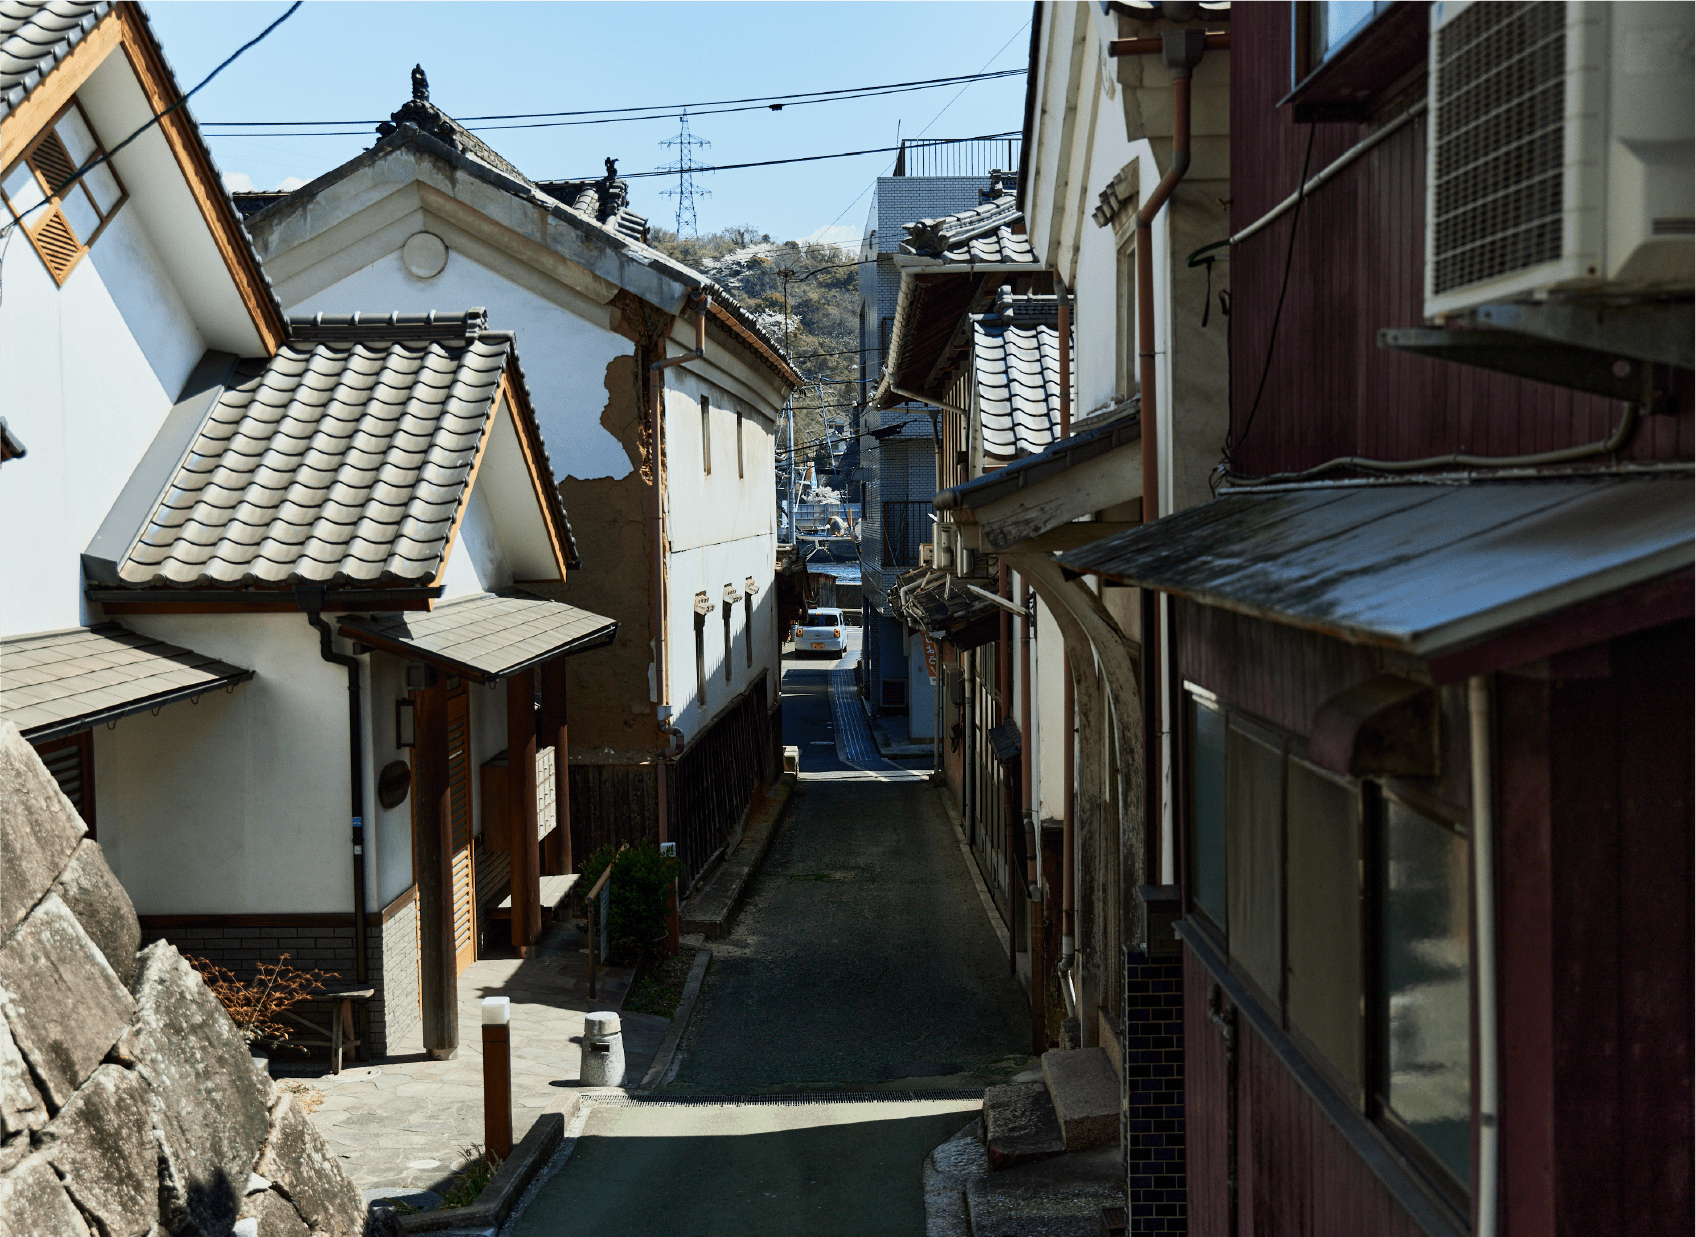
404, 1122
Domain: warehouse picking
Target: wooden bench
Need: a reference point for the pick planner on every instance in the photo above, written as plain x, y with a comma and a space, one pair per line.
339, 1032
555, 890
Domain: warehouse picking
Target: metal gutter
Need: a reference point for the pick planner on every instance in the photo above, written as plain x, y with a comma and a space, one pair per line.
87, 721
333, 598
1066, 454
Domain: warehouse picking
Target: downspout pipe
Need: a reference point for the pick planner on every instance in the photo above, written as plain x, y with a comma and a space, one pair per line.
1181, 51
1033, 890
662, 692
311, 600
1068, 838
1484, 919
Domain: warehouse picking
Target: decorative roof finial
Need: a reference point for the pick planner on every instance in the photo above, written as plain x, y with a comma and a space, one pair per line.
612, 168
420, 85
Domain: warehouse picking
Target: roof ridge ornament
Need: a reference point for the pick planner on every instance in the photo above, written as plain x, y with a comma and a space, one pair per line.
420, 85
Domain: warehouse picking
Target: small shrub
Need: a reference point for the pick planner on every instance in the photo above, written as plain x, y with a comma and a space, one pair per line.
473, 1176
256, 1006
640, 902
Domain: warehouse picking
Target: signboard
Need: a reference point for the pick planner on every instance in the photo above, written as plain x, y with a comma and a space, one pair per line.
930, 658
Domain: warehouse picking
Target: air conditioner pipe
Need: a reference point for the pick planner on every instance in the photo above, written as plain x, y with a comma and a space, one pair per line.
1033, 890
312, 602
1063, 331
1068, 837
1484, 919
704, 304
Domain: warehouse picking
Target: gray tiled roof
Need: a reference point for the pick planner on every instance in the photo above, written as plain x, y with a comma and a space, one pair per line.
34, 37
58, 682
982, 234
489, 636
1018, 383
343, 459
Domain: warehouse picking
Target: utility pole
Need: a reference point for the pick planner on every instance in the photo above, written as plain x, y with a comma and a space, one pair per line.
685, 165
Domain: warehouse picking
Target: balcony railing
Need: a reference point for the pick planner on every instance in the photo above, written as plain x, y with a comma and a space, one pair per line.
906, 526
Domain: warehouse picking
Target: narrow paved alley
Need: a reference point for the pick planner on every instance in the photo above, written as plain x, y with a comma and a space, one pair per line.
846, 1027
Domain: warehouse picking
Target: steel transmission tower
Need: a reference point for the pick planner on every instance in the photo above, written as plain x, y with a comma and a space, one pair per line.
685, 165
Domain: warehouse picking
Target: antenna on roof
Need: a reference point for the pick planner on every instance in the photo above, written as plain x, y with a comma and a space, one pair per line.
687, 190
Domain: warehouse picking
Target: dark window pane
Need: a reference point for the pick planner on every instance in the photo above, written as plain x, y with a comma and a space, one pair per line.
1254, 798
1426, 1024
1323, 942
1207, 811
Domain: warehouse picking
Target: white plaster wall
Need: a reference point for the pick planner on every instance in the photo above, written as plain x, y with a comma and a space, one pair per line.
720, 528
389, 842
488, 736
707, 508
237, 805
564, 356
87, 374
476, 562
710, 568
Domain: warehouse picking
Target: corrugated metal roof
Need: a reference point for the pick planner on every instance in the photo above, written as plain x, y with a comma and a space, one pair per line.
1427, 568
489, 636
1018, 386
59, 682
34, 38
345, 458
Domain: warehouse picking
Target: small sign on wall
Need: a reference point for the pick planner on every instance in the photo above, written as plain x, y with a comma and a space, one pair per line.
930, 658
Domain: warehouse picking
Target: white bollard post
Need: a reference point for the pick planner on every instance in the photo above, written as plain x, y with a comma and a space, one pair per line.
602, 1061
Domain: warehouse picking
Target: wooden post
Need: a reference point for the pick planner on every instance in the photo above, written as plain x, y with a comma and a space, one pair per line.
497, 1076
551, 732
521, 769
432, 857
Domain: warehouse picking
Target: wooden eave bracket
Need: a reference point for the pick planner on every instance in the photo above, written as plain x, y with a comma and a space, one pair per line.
1386, 726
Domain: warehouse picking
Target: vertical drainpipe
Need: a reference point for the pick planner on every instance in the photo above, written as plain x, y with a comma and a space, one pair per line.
661, 687
1068, 837
1484, 919
1180, 51
1004, 691
1033, 890
311, 600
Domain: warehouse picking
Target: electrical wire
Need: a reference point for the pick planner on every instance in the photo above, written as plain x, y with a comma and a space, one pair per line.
664, 111
107, 155
1233, 443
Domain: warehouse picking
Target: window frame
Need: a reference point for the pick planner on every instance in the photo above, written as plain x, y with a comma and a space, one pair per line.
700, 657
1379, 1109
54, 208
748, 627
741, 469
1306, 57
725, 609
1368, 1098
706, 437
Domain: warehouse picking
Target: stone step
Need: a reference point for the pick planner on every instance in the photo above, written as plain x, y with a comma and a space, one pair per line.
1019, 1125
1084, 1090
1058, 1197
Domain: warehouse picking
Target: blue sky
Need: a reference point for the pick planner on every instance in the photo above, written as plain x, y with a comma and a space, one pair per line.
346, 61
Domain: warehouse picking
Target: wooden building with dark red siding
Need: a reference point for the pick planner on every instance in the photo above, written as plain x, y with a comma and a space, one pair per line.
1431, 644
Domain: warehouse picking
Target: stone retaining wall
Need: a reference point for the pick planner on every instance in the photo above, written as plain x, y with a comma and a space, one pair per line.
129, 1105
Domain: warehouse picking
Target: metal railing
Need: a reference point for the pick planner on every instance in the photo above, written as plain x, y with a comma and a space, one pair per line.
906, 526
957, 156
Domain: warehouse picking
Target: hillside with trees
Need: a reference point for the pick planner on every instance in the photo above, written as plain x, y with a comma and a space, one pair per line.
820, 328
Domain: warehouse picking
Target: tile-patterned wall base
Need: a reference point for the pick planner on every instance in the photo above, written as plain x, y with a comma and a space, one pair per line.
1154, 1085
309, 945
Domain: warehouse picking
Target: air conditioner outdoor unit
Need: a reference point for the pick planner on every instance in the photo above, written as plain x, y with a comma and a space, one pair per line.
1559, 152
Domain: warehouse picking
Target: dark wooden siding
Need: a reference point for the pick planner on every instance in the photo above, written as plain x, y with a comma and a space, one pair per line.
1283, 674
611, 804
1358, 266
1297, 1175
1594, 890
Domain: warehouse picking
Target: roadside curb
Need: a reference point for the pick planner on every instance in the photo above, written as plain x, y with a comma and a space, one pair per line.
501, 1196
679, 1022
995, 921
712, 909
